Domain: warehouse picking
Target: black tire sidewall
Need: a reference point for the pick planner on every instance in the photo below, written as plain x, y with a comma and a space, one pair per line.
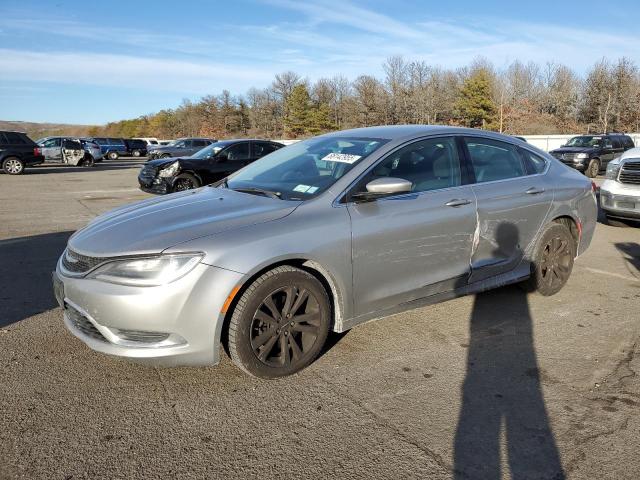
243, 354
193, 178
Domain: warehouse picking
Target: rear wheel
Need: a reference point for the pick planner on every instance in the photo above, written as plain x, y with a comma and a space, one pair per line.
112, 155
280, 323
552, 261
13, 166
185, 181
136, 153
593, 169
88, 161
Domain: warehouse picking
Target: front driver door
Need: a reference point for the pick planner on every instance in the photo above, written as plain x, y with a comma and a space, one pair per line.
412, 245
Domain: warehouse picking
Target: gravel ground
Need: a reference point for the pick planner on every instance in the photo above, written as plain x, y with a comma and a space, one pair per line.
499, 385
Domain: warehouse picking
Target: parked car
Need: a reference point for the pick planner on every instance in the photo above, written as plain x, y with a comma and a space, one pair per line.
322, 235
165, 142
112, 148
620, 192
182, 147
135, 147
167, 175
18, 151
65, 150
591, 153
148, 140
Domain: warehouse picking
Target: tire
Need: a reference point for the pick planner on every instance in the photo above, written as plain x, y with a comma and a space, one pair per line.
112, 155
552, 260
88, 161
13, 166
257, 331
136, 153
593, 169
185, 181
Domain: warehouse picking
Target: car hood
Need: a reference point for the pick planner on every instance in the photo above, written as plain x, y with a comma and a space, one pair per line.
573, 150
162, 162
154, 225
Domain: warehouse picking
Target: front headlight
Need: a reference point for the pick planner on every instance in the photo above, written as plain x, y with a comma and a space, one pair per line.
612, 170
147, 271
169, 171
582, 155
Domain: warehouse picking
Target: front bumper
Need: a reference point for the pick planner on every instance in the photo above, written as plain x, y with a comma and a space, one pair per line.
620, 200
174, 324
156, 185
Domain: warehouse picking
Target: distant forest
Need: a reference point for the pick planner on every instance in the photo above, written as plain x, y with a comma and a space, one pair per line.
519, 99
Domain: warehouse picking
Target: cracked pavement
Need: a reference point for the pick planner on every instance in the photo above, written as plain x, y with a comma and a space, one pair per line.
501, 385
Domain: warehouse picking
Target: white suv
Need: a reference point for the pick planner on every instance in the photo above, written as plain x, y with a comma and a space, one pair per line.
620, 192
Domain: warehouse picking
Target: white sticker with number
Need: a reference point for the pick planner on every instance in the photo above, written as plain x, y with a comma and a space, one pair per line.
341, 157
301, 188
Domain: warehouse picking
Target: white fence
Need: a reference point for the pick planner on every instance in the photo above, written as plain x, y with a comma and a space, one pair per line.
550, 142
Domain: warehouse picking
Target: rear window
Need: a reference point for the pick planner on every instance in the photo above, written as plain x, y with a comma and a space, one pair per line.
627, 142
15, 138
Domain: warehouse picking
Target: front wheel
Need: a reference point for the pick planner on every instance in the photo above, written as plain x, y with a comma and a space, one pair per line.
136, 153
185, 181
112, 155
88, 161
593, 169
552, 260
280, 323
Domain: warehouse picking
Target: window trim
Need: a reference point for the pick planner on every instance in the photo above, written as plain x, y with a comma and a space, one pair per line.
520, 156
344, 198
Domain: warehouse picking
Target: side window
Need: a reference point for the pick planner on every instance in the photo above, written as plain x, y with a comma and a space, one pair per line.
260, 149
627, 142
494, 160
616, 143
14, 138
535, 163
52, 142
607, 143
101, 141
428, 164
199, 143
115, 141
239, 151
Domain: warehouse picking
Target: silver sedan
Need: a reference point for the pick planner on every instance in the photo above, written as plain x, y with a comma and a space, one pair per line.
322, 235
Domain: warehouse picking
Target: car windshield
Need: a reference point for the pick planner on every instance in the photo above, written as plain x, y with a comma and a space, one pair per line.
304, 169
585, 141
210, 150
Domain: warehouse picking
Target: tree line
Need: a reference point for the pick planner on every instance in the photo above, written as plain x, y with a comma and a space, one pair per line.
523, 98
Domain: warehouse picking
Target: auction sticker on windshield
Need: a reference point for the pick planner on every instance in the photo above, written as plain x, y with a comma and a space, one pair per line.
302, 188
341, 157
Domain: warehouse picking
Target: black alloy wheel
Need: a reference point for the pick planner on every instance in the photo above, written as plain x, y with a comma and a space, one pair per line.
553, 260
280, 323
185, 181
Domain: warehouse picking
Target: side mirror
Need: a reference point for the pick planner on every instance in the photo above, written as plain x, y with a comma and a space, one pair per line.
383, 187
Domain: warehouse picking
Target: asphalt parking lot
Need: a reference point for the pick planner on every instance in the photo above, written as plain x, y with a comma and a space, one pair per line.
529, 386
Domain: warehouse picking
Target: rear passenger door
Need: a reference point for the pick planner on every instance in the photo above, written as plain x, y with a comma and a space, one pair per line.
513, 198
52, 149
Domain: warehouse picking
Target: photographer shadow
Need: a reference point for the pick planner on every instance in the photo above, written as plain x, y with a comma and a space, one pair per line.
503, 407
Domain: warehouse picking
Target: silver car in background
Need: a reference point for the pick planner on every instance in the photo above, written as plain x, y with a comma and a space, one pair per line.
322, 235
620, 192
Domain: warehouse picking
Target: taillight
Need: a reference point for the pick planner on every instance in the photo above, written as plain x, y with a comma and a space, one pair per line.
594, 187
36, 151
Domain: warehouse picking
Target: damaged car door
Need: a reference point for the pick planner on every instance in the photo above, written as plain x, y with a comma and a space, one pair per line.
513, 201
72, 152
415, 244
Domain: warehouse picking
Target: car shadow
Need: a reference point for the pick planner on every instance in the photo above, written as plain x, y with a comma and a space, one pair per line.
631, 253
503, 413
25, 281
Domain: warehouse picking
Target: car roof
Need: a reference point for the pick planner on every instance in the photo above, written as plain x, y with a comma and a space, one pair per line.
397, 132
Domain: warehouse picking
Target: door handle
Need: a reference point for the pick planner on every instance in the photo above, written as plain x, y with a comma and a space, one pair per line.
458, 202
534, 191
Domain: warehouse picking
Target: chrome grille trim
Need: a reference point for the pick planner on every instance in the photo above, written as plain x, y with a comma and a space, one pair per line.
630, 173
75, 264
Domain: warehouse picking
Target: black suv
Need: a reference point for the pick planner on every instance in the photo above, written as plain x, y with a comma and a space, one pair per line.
591, 153
18, 151
135, 147
167, 175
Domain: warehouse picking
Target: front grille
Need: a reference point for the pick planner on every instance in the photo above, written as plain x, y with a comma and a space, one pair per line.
75, 263
630, 173
83, 324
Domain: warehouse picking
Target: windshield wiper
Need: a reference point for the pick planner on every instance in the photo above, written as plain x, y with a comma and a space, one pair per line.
259, 191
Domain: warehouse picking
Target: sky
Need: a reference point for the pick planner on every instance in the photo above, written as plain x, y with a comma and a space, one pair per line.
94, 62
